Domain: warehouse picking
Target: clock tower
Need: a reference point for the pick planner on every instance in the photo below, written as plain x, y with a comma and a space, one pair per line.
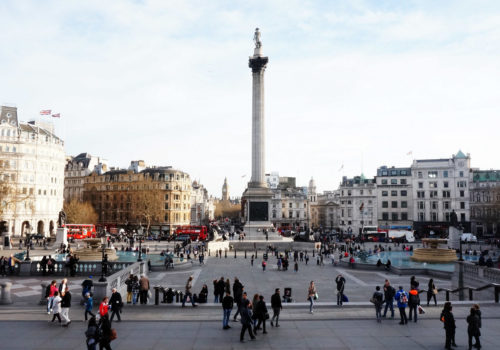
8, 115
225, 191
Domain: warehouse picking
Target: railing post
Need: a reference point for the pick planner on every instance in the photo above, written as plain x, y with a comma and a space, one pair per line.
235, 253
447, 295
245, 253
470, 294
497, 294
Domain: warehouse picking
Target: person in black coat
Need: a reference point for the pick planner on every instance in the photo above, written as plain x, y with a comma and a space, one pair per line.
237, 292
246, 317
276, 306
105, 327
473, 331
262, 315
116, 305
431, 287
220, 287
449, 325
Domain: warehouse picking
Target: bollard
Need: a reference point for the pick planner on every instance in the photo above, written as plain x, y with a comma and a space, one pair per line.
313, 253
5, 297
157, 295
256, 254
447, 295
470, 294
181, 296
225, 254
235, 253
497, 294
43, 299
176, 296
209, 252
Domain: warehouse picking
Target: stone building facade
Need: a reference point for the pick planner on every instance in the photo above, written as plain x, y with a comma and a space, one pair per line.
394, 198
440, 186
485, 203
158, 196
357, 204
202, 205
32, 169
325, 211
75, 171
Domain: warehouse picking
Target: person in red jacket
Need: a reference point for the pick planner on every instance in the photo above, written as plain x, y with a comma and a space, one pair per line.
104, 307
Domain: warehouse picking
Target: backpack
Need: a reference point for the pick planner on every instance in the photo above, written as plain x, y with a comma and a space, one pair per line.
403, 299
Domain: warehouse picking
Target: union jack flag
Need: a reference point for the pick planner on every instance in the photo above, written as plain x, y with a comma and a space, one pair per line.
57, 115
45, 112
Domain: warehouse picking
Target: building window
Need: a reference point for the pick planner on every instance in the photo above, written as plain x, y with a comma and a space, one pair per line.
384, 182
385, 216
421, 205
394, 204
420, 194
421, 216
349, 192
349, 212
404, 216
432, 174
446, 194
462, 205
394, 181
462, 193
166, 197
403, 182
385, 204
434, 216
447, 216
461, 184
446, 205
394, 216
433, 194
394, 193
361, 192
461, 174
385, 193
420, 175
462, 217
166, 206
290, 205
404, 204
445, 173
433, 184
404, 193
290, 214
420, 185
434, 205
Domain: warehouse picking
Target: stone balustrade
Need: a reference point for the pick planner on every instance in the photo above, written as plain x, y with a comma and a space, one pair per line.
5, 297
83, 268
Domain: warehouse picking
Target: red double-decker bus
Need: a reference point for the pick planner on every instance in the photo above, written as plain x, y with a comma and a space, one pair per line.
194, 232
80, 231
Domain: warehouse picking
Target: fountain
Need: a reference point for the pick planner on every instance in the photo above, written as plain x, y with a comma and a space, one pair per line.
432, 253
93, 251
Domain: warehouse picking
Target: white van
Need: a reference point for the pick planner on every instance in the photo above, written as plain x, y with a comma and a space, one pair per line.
398, 234
468, 237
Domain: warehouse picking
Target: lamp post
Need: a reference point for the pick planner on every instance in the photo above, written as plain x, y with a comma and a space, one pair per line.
139, 258
104, 260
28, 244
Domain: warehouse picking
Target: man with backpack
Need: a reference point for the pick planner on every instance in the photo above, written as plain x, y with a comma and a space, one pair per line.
402, 299
413, 302
389, 293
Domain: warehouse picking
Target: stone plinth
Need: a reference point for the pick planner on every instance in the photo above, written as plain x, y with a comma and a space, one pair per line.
454, 235
62, 236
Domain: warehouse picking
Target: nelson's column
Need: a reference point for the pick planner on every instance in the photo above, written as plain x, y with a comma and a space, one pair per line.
257, 196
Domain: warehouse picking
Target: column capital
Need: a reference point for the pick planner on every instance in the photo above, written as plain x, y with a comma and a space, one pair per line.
257, 63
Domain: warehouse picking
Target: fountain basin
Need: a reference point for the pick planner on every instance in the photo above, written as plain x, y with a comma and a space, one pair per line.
433, 254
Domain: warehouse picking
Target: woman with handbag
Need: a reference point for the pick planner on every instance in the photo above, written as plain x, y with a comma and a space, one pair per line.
262, 315
431, 292
312, 295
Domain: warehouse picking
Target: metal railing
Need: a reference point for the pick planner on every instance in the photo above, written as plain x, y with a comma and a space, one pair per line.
471, 291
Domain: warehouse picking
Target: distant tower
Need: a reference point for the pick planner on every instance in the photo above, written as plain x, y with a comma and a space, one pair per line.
225, 191
312, 190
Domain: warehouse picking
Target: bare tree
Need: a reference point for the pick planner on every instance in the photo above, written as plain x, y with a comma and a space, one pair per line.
80, 212
13, 200
147, 203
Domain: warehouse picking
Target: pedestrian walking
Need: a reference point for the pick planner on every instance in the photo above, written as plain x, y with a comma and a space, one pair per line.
188, 293
312, 295
116, 304
106, 333
478, 313
255, 300
216, 292
227, 307
246, 318
414, 283
251, 260
65, 306
473, 331
262, 315
227, 286
238, 293
264, 264
221, 286
56, 307
377, 300
276, 306
136, 289
431, 292
89, 305
340, 281
129, 283
144, 289
449, 325
389, 293
402, 300
296, 267
413, 303
49, 294
63, 285
92, 334
104, 307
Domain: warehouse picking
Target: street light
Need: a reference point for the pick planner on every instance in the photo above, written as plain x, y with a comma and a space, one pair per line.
104, 260
28, 244
139, 258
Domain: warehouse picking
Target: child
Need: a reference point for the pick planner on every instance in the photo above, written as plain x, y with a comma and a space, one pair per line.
56, 307
89, 304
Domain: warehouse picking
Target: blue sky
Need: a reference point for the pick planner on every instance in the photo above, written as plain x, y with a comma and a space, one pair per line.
359, 83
